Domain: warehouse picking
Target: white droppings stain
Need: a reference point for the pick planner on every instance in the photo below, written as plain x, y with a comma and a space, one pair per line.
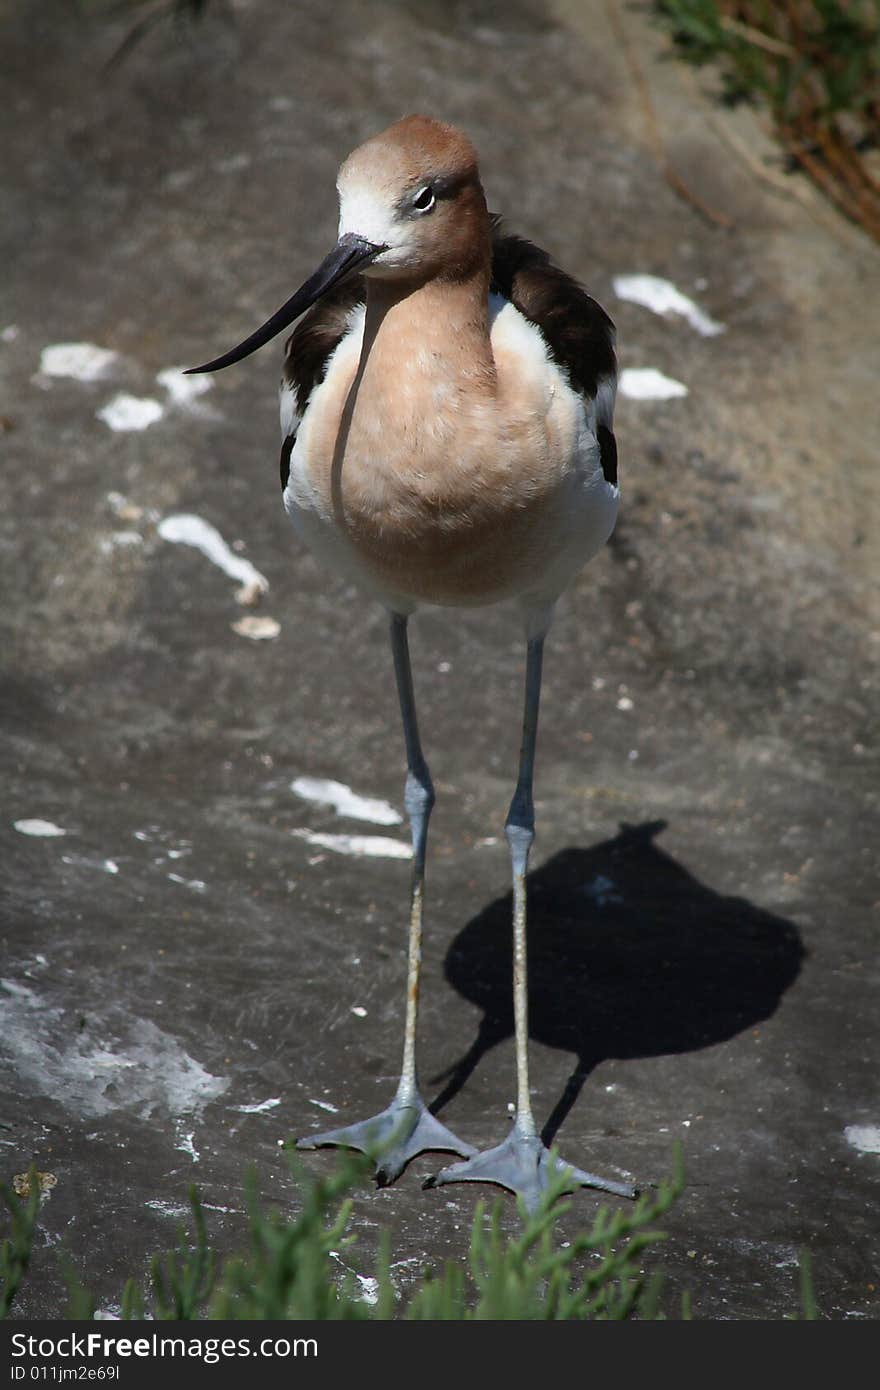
126, 413
198, 885
183, 389
178, 178
369, 1288
324, 1105
662, 297
119, 539
782, 1255
258, 629
344, 801
185, 529
82, 361
167, 1208
46, 829
233, 163
369, 1285
258, 1108
370, 846
865, 1138
186, 1144
21, 992
118, 1062
10, 333
358, 1010
82, 861
649, 384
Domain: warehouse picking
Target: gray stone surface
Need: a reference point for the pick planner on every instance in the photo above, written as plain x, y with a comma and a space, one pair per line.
180, 956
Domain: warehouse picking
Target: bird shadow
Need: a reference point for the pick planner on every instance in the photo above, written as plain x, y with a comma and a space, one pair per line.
629, 955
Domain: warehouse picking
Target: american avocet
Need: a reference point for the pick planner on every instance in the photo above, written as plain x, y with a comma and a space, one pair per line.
446, 414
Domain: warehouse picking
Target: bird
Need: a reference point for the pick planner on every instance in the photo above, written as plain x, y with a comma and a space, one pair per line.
447, 408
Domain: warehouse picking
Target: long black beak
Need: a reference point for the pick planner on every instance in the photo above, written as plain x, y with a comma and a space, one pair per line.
349, 254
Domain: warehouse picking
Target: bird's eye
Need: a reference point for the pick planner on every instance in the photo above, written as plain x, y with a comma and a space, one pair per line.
424, 199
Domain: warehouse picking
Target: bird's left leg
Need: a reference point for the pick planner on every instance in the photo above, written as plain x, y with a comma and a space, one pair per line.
521, 1162
406, 1128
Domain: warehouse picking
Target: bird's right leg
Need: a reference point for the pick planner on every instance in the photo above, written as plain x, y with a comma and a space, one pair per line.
406, 1128
521, 1162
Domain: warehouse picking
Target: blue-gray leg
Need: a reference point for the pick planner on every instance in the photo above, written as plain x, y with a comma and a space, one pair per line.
522, 1163
406, 1128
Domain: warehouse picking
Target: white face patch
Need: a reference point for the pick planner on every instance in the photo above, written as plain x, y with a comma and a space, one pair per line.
366, 212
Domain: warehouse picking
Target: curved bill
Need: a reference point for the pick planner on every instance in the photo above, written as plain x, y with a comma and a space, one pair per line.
349, 254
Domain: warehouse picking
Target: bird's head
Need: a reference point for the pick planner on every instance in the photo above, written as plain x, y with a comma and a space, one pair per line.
411, 209
413, 193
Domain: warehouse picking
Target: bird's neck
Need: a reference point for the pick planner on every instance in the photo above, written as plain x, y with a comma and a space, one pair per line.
438, 330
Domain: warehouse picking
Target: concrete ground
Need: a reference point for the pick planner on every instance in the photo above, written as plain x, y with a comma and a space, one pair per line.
188, 980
